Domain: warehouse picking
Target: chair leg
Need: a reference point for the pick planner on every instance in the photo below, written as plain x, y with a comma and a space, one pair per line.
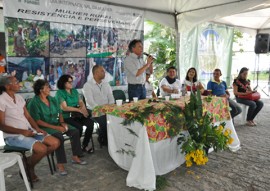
53, 163
27, 170
23, 173
93, 145
2, 180
50, 164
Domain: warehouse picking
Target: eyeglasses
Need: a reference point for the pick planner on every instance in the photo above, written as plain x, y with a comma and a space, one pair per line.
15, 82
70, 82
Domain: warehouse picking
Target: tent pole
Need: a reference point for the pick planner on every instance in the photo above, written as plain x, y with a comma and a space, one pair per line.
177, 46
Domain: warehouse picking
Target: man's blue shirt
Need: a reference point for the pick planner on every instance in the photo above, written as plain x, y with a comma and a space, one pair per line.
218, 88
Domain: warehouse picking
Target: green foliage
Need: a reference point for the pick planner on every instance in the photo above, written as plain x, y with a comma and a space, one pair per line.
172, 113
163, 46
203, 134
34, 48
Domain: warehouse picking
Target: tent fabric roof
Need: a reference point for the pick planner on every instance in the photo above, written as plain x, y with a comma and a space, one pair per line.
254, 14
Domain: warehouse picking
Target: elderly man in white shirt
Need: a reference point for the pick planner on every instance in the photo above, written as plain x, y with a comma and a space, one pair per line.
170, 85
98, 92
20, 129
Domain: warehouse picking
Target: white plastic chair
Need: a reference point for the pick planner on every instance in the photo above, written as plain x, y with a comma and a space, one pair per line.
7, 160
243, 115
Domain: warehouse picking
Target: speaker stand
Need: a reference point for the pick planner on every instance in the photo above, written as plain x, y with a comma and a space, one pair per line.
257, 63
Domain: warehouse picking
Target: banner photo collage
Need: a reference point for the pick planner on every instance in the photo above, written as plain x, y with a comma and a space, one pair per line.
68, 41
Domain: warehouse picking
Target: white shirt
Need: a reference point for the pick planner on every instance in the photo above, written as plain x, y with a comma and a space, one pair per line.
97, 94
14, 113
132, 64
176, 85
149, 89
189, 84
41, 77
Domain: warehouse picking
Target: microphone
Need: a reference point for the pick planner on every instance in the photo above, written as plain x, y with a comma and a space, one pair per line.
146, 54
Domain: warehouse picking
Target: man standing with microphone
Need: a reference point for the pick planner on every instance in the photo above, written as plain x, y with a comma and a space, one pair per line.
135, 69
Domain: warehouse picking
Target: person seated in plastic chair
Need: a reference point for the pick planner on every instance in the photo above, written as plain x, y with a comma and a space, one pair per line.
46, 111
20, 130
219, 88
241, 86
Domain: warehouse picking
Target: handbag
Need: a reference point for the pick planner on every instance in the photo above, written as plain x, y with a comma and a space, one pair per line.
253, 97
75, 114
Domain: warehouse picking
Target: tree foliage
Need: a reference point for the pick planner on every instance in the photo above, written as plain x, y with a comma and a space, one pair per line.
163, 46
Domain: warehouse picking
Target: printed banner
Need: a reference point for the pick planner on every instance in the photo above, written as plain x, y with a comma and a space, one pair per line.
207, 47
49, 38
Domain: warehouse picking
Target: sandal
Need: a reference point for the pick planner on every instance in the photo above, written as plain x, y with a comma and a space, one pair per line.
249, 123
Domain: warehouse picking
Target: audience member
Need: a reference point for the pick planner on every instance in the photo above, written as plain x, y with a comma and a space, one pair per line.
241, 86
46, 111
219, 88
97, 92
20, 130
74, 110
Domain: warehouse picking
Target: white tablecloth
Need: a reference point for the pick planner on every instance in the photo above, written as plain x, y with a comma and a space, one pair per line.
151, 158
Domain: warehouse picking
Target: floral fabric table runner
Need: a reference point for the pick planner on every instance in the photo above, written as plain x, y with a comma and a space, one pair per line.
157, 127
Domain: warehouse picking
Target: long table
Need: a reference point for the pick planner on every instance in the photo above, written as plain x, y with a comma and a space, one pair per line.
147, 150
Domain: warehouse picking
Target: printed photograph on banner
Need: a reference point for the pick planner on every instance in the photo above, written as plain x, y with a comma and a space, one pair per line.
67, 40
27, 37
76, 67
109, 42
114, 67
27, 70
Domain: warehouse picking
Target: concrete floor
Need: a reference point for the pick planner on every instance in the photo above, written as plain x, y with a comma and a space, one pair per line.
248, 169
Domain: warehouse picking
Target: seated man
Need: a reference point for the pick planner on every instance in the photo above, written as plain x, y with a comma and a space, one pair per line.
97, 92
170, 84
20, 130
219, 88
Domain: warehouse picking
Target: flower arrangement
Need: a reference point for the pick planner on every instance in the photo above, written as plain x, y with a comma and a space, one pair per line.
202, 133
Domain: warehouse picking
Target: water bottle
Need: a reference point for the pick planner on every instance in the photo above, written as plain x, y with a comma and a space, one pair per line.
183, 89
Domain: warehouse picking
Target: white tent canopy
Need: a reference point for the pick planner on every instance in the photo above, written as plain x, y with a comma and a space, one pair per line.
253, 14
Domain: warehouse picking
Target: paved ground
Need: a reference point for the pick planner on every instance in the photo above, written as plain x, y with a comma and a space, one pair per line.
247, 170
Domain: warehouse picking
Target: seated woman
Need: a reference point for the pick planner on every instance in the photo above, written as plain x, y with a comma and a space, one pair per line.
71, 102
46, 111
241, 86
191, 81
20, 130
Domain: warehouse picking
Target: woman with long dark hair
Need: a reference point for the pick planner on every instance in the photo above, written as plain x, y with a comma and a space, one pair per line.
191, 81
241, 87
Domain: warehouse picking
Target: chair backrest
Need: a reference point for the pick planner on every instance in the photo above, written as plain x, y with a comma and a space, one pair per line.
119, 94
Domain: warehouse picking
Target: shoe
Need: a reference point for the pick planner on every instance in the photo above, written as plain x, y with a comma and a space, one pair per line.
249, 123
63, 173
34, 179
89, 151
82, 162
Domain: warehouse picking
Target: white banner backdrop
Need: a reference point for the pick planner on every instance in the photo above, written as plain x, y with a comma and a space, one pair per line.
60, 37
76, 12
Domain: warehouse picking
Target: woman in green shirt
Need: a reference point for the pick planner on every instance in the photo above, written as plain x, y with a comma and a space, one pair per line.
71, 103
46, 111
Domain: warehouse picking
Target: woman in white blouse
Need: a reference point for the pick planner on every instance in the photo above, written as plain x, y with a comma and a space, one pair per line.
191, 82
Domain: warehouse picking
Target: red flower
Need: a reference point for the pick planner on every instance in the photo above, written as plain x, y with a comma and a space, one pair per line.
161, 135
151, 131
